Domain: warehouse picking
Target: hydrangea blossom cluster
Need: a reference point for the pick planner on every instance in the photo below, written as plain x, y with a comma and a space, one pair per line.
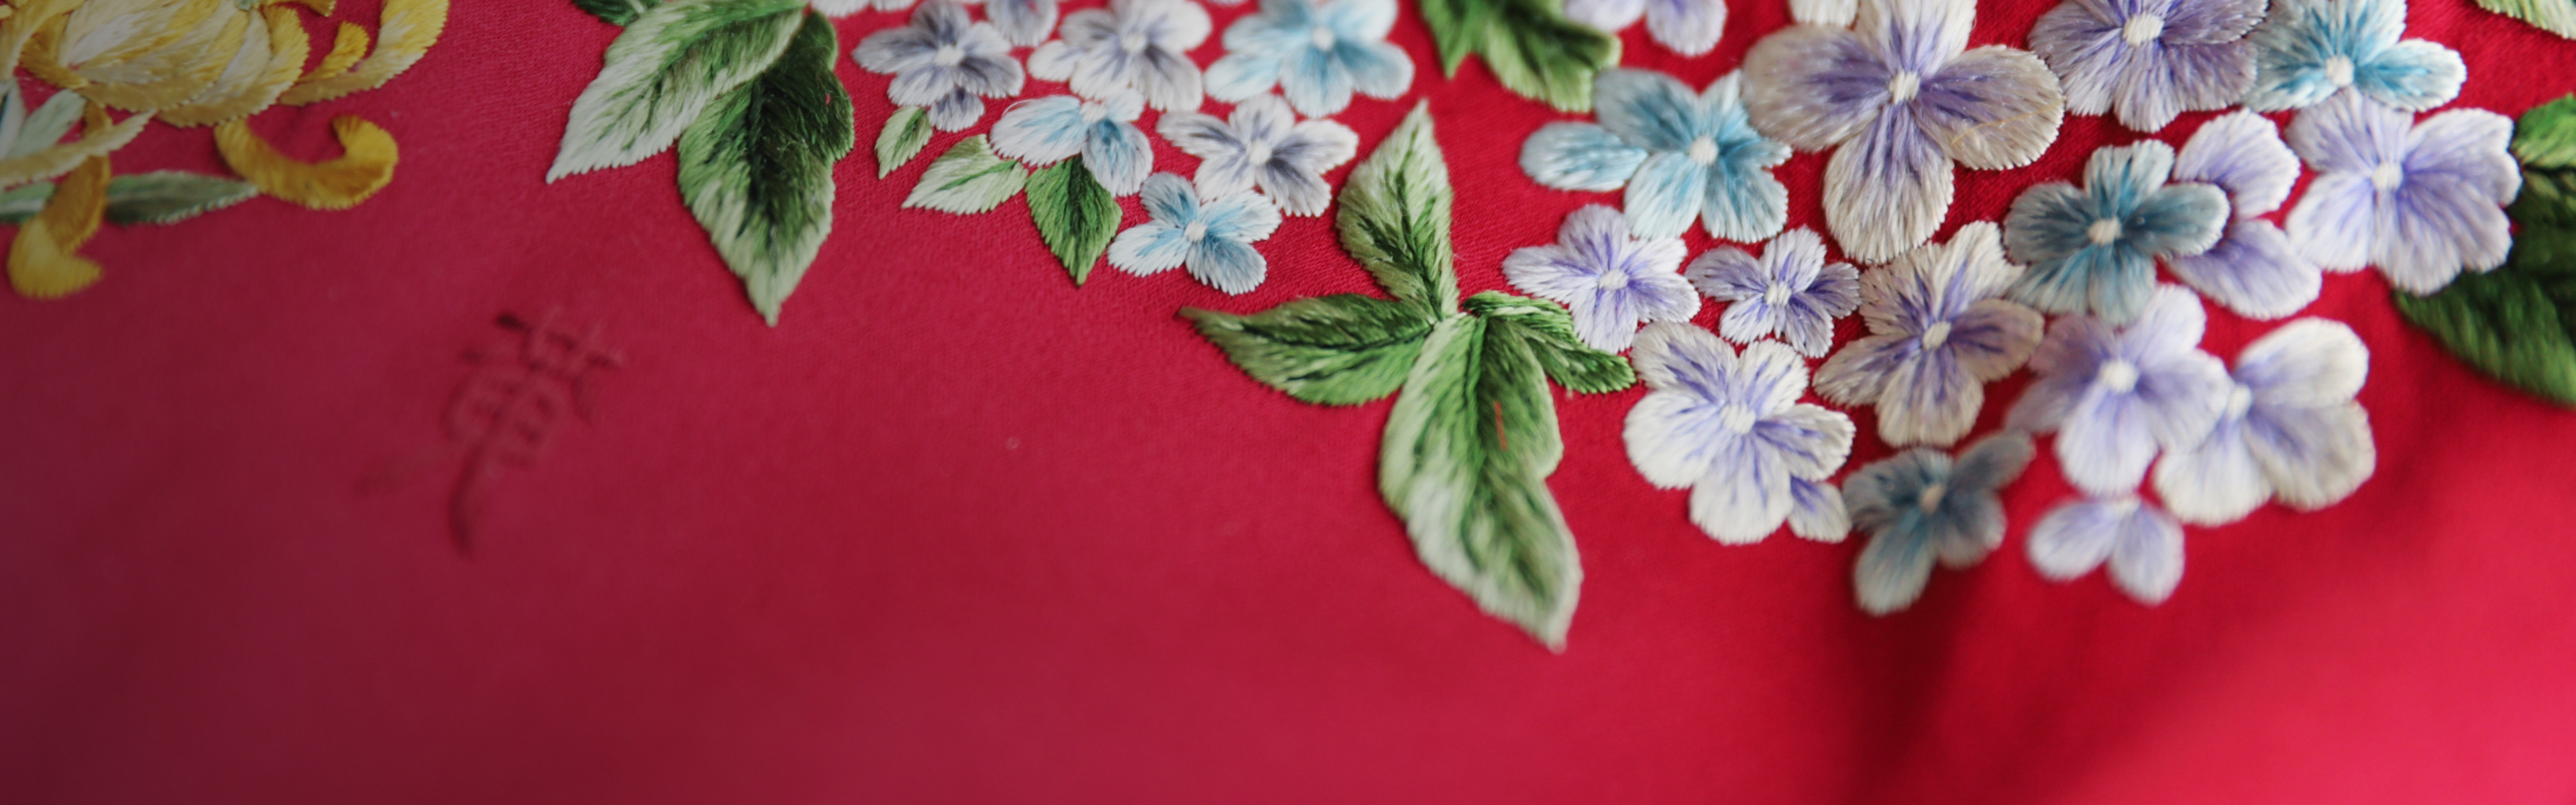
944, 62
2149, 60
1730, 428
1681, 155
1611, 282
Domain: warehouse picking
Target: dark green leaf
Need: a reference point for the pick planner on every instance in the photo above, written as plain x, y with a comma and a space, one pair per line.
158, 197
1457, 27
1075, 215
1548, 332
664, 70
903, 136
756, 168
1343, 349
967, 179
2505, 324
1529, 44
2545, 136
1395, 217
615, 12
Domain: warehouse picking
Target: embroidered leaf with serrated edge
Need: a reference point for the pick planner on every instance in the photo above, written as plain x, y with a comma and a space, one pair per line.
615, 12
2555, 16
1075, 215
2545, 137
663, 70
967, 179
1549, 332
1395, 216
2518, 322
756, 168
905, 132
1529, 44
1343, 349
158, 197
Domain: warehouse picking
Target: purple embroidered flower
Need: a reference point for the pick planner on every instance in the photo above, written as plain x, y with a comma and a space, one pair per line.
2252, 269
1262, 143
1938, 334
1902, 101
2308, 50
2420, 204
1919, 506
1608, 280
943, 62
2149, 60
1139, 44
2096, 248
1681, 156
1689, 27
1731, 428
2114, 396
1212, 234
1317, 52
2290, 428
2143, 545
1790, 290
1046, 130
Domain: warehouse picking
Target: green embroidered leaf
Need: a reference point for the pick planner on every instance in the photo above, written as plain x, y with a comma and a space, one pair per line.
2545, 137
2507, 323
615, 12
1343, 349
1529, 44
903, 136
1548, 332
756, 167
664, 70
158, 197
1395, 217
1075, 215
967, 179
47, 125
2555, 16
1456, 29
22, 202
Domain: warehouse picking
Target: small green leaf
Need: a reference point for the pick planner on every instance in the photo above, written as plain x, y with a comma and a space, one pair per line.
2545, 136
1457, 27
1549, 333
158, 197
967, 179
615, 12
905, 132
756, 167
1395, 216
1075, 215
23, 202
47, 125
2555, 16
1343, 349
664, 70
1529, 44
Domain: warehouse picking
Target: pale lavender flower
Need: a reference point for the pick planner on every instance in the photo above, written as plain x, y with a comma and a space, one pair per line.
1046, 130
1211, 234
1133, 44
2096, 248
1731, 428
1317, 52
1610, 281
1263, 144
1938, 334
1902, 101
1921, 506
2141, 543
1790, 290
2252, 269
943, 62
2290, 429
2308, 50
2149, 60
1689, 27
2421, 204
1681, 155
2115, 395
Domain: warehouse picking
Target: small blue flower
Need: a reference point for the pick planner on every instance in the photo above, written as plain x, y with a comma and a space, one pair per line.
943, 62
2141, 543
1689, 27
1731, 429
1213, 236
2096, 248
1682, 155
2115, 395
2150, 60
2421, 203
2252, 269
1919, 506
1316, 53
1133, 44
1263, 144
2310, 49
2290, 429
1609, 281
1790, 290
1046, 130
1937, 336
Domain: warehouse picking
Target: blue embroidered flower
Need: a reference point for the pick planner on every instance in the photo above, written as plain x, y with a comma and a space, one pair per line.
1919, 506
1938, 334
1731, 428
1681, 155
2096, 248
943, 62
2290, 428
1609, 281
2310, 49
1046, 130
1316, 53
1212, 235
2143, 546
1689, 27
2252, 269
2149, 60
1263, 144
2420, 204
1790, 291
2115, 396
1902, 101
1134, 44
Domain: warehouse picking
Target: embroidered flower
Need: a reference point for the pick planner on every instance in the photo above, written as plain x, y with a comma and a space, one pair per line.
1213, 235
1045, 130
1731, 428
1790, 291
1316, 53
1920, 505
1263, 144
1902, 101
2290, 428
1681, 156
943, 62
2149, 60
2143, 545
2420, 204
2096, 248
1133, 44
2114, 396
1938, 334
1610, 282
2310, 49
1689, 27
2252, 269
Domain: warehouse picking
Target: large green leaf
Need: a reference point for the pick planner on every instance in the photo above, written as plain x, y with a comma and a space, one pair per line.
1548, 332
967, 179
905, 132
2555, 16
1075, 215
615, 12
158, 197
1529, 44
664, 70
756, 168
2545, 137
1343, 349
1395, 216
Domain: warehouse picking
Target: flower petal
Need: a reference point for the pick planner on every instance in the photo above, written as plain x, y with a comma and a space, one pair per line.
1816, 511
1824, 13
1117, 154
2469, 144
1647, 108
2106, 443
1056, 60
1227, 265
2073, 539
1551, 272
1917, 35
1812, 87
1149, 248
1768, 378
956, 111
2315, 457
1744, 206
1042, 131
1241, 75
2184, 78
2146, 562
1811, 442
2349, 135
2177, 219
2253, 271
1169, 81
1377, 69
1316, 146
1315, 82
2307, 363
2241, 153
1580, 156
1992, 338
2413, 75
1858, 374
1992, 463
1968, 528
2334, 221
2215, 483
2084, 48
1689, 27
2434, 226
1606, 16
1023, 22
2200, 22
1366, 20
1991, 108
1727, 274
1674, 437
1298, 192
1887, 190
1241, 217
1892, 570
1665, 195
1929, 399
1168, 199
1745, 495
897, 50
1685, 359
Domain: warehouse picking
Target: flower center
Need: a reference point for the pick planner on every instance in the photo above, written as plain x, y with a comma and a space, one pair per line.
1323, 37
1093, 112
1611, 280
2387, 176
1735, 418
1901, 88
1776, 295
2142, 29
2118, 375
948, 56
2239, 400
2103, 231
2123, 507
1930, 500
1703, 151
1133, 41
1257, 153
2339, 71
1936, 335
1196, 231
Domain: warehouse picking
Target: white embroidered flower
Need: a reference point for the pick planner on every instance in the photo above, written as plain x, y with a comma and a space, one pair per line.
2290, 428
2142, 545
943, 62
1138, 44
2115, 396
1731, 429
1046, 130
1211, 234
1789, 290
1263, 144
1937, 335
1609, 281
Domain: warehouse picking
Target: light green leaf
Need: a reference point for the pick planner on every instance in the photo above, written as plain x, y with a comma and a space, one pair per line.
1529, 44
905, 132
1548, 332
158, 197
1395, 216
615, 12
2555, 16
1343, 349
1075, 215
664, 70
22, 202
756, 168
2545, 137
967, 179
47, 125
